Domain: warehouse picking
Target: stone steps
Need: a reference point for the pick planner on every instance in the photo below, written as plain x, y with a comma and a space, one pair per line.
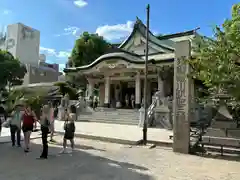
127, 117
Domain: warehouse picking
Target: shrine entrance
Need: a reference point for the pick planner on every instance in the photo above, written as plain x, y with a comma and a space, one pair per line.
127, 94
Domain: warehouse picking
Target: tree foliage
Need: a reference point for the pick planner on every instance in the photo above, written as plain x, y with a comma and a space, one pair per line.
13, 97
65, 88
87, 48
216, 61
76, 81
12, 71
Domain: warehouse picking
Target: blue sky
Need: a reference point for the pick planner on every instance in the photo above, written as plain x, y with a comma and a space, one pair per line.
61, 21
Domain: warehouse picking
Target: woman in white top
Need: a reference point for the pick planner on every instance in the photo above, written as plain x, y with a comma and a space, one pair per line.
15, 125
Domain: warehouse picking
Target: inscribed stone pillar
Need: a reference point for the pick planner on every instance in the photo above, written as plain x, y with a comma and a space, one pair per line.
138, 91
107, 92
182, 98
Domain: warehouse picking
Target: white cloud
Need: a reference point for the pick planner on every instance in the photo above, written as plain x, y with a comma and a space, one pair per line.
70, 30
53, 52
48, 51
63, 54
7, 11
115, 32
80, 3
155, 33
61, 67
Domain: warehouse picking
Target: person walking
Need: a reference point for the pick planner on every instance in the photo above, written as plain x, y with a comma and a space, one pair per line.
15, 125
2, 117
55, 113
29, 118
52, 122
45, 123
69, 127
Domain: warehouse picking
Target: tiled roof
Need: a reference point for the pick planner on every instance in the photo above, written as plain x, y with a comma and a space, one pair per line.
141, 28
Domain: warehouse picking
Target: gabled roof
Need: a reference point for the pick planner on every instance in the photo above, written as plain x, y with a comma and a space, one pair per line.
176, 35
125, 56
141, 28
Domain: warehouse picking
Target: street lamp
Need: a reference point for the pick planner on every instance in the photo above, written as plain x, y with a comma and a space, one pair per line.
145, 124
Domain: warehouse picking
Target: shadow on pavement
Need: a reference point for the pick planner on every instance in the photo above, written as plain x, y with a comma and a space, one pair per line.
16, 165
227, 157
83, 147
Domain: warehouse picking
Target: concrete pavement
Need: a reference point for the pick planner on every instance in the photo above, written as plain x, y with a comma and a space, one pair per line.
124, 134
5, 135
108, 161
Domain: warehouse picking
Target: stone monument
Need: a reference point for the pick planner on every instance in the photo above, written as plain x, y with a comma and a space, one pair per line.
183, 96
162, 112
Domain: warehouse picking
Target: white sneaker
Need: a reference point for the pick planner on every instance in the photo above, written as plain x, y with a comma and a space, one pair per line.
62, 151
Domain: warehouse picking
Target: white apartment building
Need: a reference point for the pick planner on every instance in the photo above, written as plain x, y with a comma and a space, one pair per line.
24, 42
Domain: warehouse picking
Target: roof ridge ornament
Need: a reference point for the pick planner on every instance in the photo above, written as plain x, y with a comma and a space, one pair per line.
138, 21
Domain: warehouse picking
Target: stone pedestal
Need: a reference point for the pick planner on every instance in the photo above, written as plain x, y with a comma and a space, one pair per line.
118, 104
61, 113
141, 117
162, 117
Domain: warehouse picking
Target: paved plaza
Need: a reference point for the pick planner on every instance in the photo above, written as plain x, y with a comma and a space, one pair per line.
125, 134
107, 161
118, 133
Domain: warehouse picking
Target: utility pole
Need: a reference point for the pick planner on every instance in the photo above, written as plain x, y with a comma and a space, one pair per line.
145, 125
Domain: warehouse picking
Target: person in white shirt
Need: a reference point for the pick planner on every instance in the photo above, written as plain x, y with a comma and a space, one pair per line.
52, 122
15, 125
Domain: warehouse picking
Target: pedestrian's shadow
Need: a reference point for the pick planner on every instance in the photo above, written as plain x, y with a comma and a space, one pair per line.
83, 147
79, 165
228, 157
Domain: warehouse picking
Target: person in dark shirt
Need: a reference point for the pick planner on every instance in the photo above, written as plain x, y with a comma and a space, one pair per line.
69, 128
3, 117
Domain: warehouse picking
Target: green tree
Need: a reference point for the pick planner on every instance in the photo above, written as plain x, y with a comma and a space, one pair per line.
65, 88
88, 48
12, 71
216, 61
